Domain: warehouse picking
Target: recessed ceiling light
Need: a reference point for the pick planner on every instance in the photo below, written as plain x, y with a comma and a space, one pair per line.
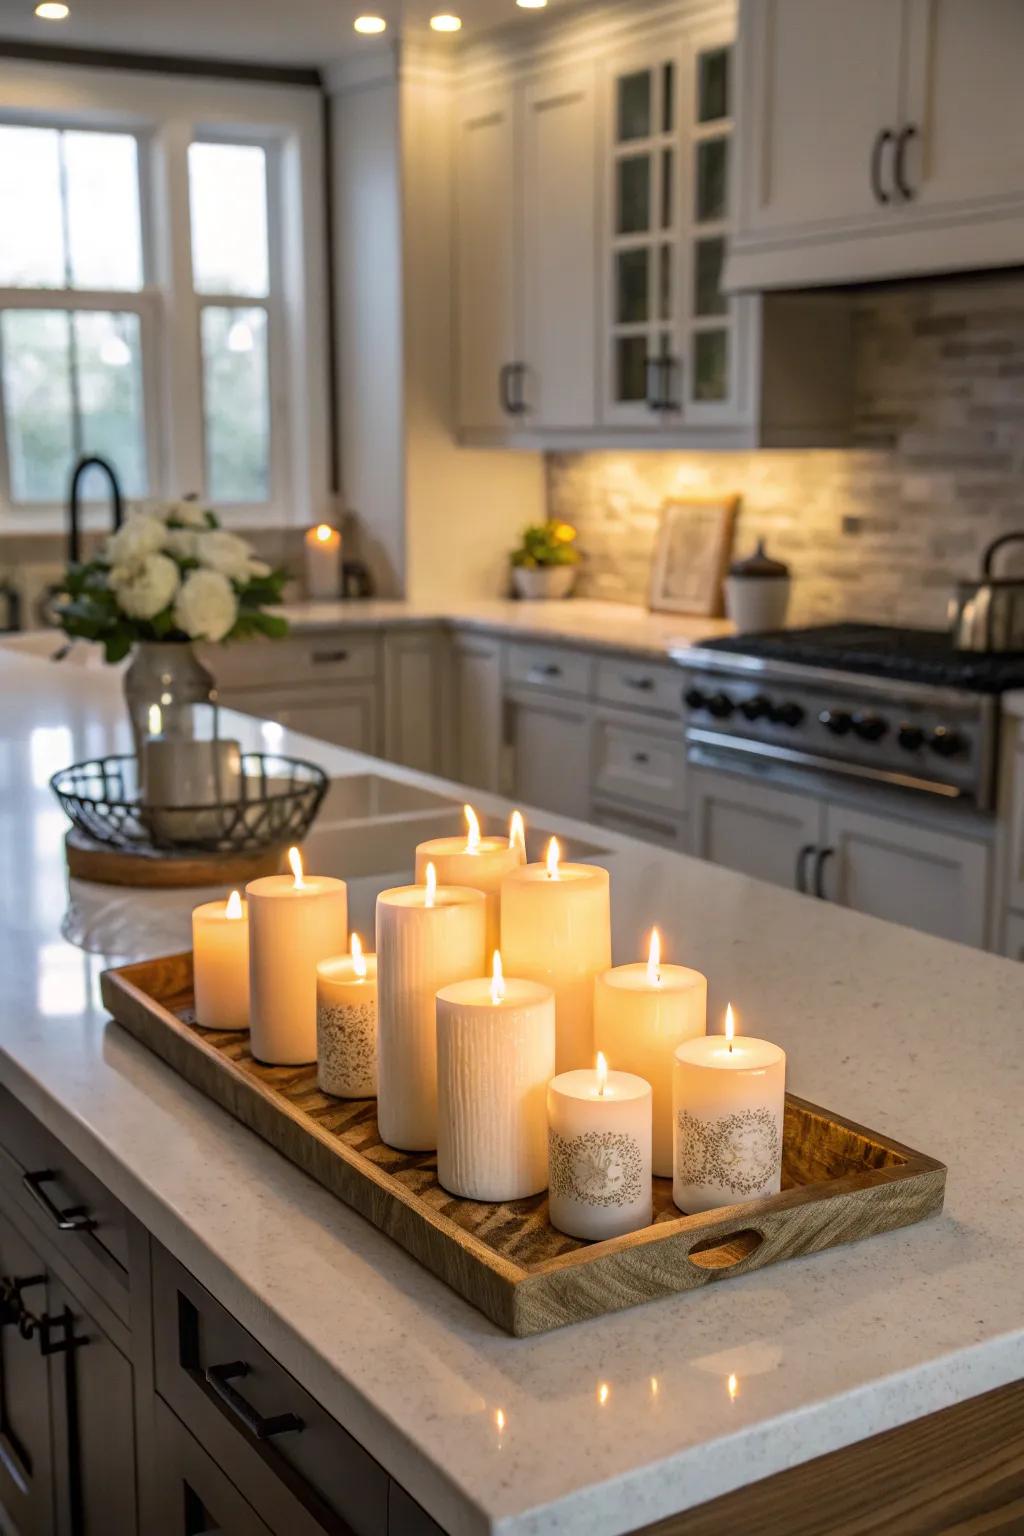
446, 23
532, 5
370, 24
52, 10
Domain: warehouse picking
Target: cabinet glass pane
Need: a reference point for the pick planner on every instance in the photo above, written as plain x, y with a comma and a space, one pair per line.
668, 162
711, 365
664, 282
708, 298
633, 215
713, 85
634, 114
712, 195
631, 285
631, 368
668, 98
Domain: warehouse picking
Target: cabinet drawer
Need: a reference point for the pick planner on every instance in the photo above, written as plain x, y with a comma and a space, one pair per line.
640, 685
646, 826
632, 762
330, 656
195, 1496
550, 666
305, 1474
66, 1202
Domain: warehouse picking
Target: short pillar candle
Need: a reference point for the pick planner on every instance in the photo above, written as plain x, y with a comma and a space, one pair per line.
346, 1024
556, 929
428, 936
481, 863
599, 1152
641, 1013
729, 1100
322, 559
220, 963
296, 921
495, 1058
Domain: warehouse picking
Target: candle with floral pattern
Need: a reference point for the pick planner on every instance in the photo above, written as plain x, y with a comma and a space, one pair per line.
599, 1152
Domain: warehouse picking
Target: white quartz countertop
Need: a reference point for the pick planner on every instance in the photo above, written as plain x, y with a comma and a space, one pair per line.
614, 1422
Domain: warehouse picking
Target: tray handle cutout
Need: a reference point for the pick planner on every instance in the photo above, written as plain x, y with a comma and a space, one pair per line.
726, 1250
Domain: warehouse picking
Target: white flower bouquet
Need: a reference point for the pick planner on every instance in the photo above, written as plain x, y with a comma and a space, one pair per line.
171, 573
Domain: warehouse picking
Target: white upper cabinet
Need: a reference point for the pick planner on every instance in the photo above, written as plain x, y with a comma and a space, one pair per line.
877, 138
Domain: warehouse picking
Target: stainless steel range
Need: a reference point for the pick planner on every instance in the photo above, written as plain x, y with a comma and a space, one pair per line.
891, 706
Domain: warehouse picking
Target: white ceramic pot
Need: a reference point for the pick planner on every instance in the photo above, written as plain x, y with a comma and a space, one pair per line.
756, 603
543, 581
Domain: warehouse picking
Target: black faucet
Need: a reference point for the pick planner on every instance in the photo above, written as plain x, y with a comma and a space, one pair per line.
91, 461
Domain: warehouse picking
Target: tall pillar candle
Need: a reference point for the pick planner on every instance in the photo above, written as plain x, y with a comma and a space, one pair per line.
346, 1024
478, 862
220, 963
322, 560
556, 928
295, 922
428, 936
495, 1058
599, 1151
641, 1013
729, 1098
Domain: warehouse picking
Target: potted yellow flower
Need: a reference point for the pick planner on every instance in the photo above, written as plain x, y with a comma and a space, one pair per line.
544, 565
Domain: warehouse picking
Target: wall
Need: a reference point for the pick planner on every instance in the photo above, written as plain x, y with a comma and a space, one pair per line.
880, 531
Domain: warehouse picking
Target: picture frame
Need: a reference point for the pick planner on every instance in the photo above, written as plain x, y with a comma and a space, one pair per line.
691, 555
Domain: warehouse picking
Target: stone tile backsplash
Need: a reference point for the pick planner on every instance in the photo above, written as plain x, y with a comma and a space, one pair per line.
878, 531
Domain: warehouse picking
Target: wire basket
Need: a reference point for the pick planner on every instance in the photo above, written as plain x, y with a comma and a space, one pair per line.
277, 802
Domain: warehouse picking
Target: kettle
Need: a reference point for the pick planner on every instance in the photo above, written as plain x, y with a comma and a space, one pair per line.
988, 615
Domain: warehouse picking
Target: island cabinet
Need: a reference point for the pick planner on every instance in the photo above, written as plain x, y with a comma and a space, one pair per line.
877, 138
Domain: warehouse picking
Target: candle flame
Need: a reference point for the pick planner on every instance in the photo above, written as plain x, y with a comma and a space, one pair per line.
602, 1074
517, 832
295, 860
655, 1386
730, 1025
431, 884
497, 979
499, 1420
358, 962
234, 906
155, 720
472, 829
654, 960
734, 1387
324, 533
604, 1391
553, 858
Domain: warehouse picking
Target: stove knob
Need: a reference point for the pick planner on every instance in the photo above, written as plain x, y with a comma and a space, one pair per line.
838, 721
720, 705
870, 727
946, 742
911, 738
788, 714
757, 708
695, 698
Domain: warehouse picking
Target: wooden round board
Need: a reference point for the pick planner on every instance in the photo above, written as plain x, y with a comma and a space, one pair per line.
153, 867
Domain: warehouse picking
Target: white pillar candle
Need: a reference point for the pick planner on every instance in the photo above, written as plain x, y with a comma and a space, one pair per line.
495, 1058
599, 1151
186, 771
478, 862
322, 558
346, 1024
556, 928
296, 921
220, 963
641, 1013
729, 1095
428, 936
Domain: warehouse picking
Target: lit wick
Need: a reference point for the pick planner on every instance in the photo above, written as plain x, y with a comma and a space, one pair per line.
730, 1026
472, 829
602, 1074
431, 884
517, 832
554, 854
497, 980
654, 960
358, 960
234, 906
295, 860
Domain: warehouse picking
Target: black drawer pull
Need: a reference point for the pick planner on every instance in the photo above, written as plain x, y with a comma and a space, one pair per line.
329, 658
641, 684
74, 1219
550, 669
641, 757
219, 1379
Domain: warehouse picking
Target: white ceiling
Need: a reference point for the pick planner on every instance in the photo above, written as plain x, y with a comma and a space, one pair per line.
289, 32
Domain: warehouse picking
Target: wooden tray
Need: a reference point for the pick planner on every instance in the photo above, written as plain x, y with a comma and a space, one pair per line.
839, 1182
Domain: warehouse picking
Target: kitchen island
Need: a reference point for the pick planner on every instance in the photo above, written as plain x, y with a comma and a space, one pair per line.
606, 1426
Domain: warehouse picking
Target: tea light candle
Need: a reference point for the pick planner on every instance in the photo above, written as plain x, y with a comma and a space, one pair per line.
428, 936
346, 1024
495, 1058
220, 963
599, 1151
478, 862
641, 1013
296, 921
186, 771
729, 1095
322, 559
556, 928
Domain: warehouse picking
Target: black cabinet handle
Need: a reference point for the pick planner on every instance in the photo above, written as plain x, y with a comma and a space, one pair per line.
881, 144
74, 1218
899, 167
329, 658
640, 684
550, 669
219, 1379
801, 867
824, 854
641, 758
510, 388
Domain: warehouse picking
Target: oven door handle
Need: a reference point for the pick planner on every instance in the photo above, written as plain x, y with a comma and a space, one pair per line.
745, 754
